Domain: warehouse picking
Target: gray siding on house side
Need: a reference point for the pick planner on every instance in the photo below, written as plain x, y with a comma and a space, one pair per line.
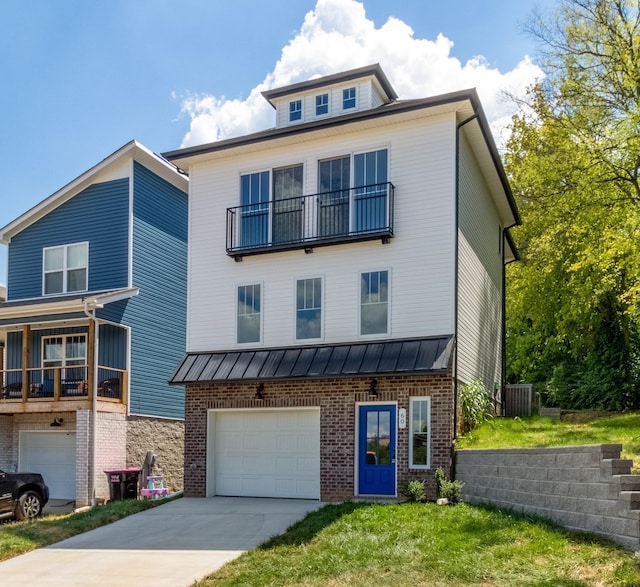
480, 266
97, 215
157, 315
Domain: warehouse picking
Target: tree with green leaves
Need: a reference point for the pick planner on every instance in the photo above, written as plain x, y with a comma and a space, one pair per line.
573, 160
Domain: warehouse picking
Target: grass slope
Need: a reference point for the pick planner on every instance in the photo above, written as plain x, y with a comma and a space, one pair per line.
356, 544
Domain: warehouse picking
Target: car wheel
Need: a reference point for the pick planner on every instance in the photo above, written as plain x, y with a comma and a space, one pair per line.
29, 506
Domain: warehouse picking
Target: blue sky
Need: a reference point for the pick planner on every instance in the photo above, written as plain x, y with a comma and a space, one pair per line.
83, 78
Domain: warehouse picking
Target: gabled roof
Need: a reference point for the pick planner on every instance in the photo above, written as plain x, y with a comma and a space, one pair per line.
374, 71
132, 149
392, 357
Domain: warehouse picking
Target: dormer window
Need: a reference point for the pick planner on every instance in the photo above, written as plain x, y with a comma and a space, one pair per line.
348, 98
322, 104
295, 110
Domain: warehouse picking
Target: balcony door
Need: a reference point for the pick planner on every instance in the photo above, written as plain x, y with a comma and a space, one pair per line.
287, 204
333, 199
254, 199
370, 179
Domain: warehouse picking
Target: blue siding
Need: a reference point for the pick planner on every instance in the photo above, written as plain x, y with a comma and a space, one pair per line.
99, 215
157, 315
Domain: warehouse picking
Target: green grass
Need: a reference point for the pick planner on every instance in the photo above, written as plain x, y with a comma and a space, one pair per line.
20, 537
355, 544
575, 428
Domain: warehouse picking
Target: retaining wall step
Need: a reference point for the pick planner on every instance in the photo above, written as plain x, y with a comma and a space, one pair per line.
627, 482
616, 466
631, 499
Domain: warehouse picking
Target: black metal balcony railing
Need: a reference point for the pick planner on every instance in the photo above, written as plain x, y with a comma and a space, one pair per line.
361, 213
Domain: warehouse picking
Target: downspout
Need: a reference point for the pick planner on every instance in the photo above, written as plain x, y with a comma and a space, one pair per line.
94, 402
456, 296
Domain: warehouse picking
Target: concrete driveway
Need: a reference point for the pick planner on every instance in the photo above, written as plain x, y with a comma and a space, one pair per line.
174, 544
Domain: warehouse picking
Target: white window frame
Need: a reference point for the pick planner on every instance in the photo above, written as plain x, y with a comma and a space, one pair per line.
260, 314
355, 98
298, 102
64, 269
413, 400
389, 286
295, 307
315, 105
64, 360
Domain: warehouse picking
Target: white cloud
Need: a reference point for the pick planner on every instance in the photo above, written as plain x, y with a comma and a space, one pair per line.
335, 36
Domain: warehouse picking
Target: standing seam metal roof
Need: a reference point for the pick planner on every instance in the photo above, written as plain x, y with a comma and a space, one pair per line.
421, 355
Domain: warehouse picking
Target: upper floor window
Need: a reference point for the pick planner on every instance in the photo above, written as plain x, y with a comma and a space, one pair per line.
248, 313
66, 268
322, 104
419, 429
348, 98
68, 351
309, 308
295, 110
374, 303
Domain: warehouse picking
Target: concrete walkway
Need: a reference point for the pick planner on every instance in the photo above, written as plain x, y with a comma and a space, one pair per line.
171, 545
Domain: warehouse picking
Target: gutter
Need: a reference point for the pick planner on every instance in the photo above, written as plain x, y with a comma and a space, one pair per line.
94, 402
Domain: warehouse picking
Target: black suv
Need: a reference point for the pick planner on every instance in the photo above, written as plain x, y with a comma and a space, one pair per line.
22, 495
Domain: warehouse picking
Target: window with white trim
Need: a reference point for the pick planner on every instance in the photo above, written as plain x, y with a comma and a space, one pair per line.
309, 308
348, 98
419, 433
322, 104
248, 313
65, 268
374, 303
67, 350
295, 110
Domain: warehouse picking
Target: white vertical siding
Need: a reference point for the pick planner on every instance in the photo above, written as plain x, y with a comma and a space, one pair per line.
480, 277
420, 258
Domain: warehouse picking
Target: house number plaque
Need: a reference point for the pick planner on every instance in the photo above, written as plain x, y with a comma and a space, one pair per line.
402, 418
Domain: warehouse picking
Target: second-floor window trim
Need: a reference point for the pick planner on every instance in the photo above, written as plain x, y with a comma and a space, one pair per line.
65, 268
249, 313
309, 308
374, 303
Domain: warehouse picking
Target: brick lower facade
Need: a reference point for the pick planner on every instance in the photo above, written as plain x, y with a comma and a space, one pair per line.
337, 400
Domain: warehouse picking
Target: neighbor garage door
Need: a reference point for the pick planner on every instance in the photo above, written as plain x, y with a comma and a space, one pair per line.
52, 454
266, 453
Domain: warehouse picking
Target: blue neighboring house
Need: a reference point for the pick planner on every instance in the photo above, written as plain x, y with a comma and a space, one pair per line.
93, 326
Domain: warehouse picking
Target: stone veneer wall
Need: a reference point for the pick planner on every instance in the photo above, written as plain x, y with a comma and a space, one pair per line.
336, 399
163, 437
587, 488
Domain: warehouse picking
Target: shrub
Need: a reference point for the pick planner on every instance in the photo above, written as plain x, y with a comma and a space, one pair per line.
449, 490
475, 404
414, 491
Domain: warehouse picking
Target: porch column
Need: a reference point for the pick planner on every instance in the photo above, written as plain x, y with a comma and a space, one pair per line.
26, 360
91, 360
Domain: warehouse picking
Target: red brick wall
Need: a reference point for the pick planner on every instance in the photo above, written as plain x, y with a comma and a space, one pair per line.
337, 399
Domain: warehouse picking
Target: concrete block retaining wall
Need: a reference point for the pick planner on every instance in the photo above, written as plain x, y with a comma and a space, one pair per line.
587, 488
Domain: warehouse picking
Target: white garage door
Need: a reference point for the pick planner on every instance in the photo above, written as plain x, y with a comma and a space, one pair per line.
53, 455
267, 453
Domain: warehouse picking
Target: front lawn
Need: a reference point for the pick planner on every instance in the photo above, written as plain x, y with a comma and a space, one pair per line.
356, 544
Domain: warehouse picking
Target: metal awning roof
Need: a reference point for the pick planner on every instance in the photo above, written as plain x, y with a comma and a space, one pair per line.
421, 355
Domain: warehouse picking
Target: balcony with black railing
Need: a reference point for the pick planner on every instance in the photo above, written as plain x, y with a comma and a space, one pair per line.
304, 222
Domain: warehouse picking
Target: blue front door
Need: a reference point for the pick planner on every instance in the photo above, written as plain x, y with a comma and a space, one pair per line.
377, 450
